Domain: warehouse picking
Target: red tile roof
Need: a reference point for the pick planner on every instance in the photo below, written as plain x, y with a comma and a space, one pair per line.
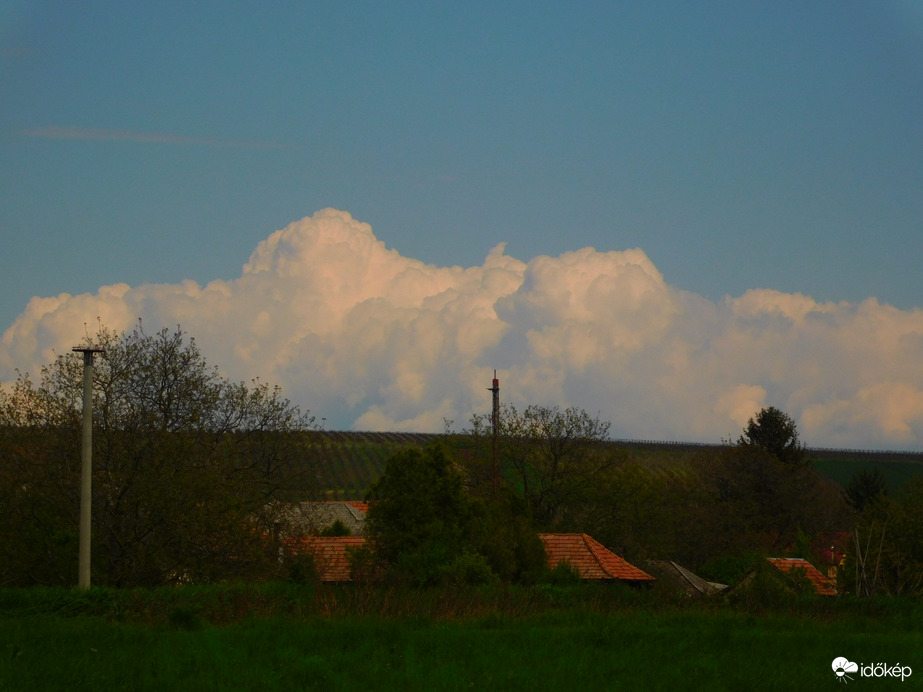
331, 554
589, 557
358, 504
787, 565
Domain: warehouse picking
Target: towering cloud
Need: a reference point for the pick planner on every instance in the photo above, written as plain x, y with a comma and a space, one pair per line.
370, 339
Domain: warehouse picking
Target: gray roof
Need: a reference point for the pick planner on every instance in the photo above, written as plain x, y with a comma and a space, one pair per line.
312, 518
669, 572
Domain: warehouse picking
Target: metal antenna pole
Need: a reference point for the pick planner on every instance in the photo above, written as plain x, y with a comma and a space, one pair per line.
86, 467
495, 434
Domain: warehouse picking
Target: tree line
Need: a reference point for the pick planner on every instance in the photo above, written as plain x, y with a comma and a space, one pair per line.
719, 511
185, 463
189, 466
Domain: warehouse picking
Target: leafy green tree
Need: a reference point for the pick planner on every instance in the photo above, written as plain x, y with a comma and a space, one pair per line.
645, 512
747, 499
418, 514
185, 463
502, 531
864, 486
886, 556
775, 432
426, 529
337, 528
556, 459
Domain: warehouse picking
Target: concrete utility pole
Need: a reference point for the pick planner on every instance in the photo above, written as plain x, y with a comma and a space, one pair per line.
86, 466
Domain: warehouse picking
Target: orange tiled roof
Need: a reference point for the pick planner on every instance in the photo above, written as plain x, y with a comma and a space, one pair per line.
358, 504
589, 557
821, 584
331, 554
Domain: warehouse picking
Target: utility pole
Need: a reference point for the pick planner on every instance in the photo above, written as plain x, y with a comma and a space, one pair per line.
495, 435
86, 466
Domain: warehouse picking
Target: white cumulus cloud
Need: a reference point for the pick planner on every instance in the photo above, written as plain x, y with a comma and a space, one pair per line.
370, 339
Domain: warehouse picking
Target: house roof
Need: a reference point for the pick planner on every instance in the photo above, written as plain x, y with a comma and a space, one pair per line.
787, 565
331, 554
590, 558
311, 518
667, 571
359, 505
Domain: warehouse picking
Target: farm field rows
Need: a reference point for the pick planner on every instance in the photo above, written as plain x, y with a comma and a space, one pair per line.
352, 461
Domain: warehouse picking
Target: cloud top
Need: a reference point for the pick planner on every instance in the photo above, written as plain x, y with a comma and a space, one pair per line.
370, 339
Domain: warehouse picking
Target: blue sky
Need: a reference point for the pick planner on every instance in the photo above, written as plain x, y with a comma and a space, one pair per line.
739, 145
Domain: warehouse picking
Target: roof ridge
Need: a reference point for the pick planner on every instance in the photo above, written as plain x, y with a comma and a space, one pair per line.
591, 543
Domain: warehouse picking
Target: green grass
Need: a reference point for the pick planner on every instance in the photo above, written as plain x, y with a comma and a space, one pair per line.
594, 652
283, 637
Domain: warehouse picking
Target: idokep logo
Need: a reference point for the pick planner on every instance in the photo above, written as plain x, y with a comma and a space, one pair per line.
842, 667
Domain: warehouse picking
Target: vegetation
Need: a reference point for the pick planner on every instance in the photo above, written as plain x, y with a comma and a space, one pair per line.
556, 459
296, 637
425, 529
886, 556
864, 487
185, 463
187, 466
776, 433
352, 461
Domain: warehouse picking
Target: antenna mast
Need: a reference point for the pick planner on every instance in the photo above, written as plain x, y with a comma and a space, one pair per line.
495, 434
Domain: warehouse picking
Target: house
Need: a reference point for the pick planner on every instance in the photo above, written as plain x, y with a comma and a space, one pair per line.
314, 518
331, 554
591, 560
674, 577
794, 566
789, 572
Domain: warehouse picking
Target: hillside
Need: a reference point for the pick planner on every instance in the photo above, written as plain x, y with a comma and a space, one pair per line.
352, 461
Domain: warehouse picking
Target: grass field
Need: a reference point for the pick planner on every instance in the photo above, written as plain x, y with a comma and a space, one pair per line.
283, 637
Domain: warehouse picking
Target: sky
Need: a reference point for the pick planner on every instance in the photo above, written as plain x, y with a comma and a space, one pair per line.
669, 214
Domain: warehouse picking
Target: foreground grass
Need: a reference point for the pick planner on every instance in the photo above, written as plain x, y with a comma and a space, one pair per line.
570, 639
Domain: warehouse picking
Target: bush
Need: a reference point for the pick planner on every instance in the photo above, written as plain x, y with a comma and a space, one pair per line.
300, 569
468, 569
564, 574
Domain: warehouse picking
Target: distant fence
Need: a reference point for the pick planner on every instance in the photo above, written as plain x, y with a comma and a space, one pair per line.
811, 451
424, 438
892, 454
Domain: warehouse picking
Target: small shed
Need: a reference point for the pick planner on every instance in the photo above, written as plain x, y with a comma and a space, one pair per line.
675, 577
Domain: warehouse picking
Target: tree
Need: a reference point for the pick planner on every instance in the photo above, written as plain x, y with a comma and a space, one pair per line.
418, 515
775, 432
747, 499
864, 486
556, 459
185, 463
426, 529
502, 531
887, 553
